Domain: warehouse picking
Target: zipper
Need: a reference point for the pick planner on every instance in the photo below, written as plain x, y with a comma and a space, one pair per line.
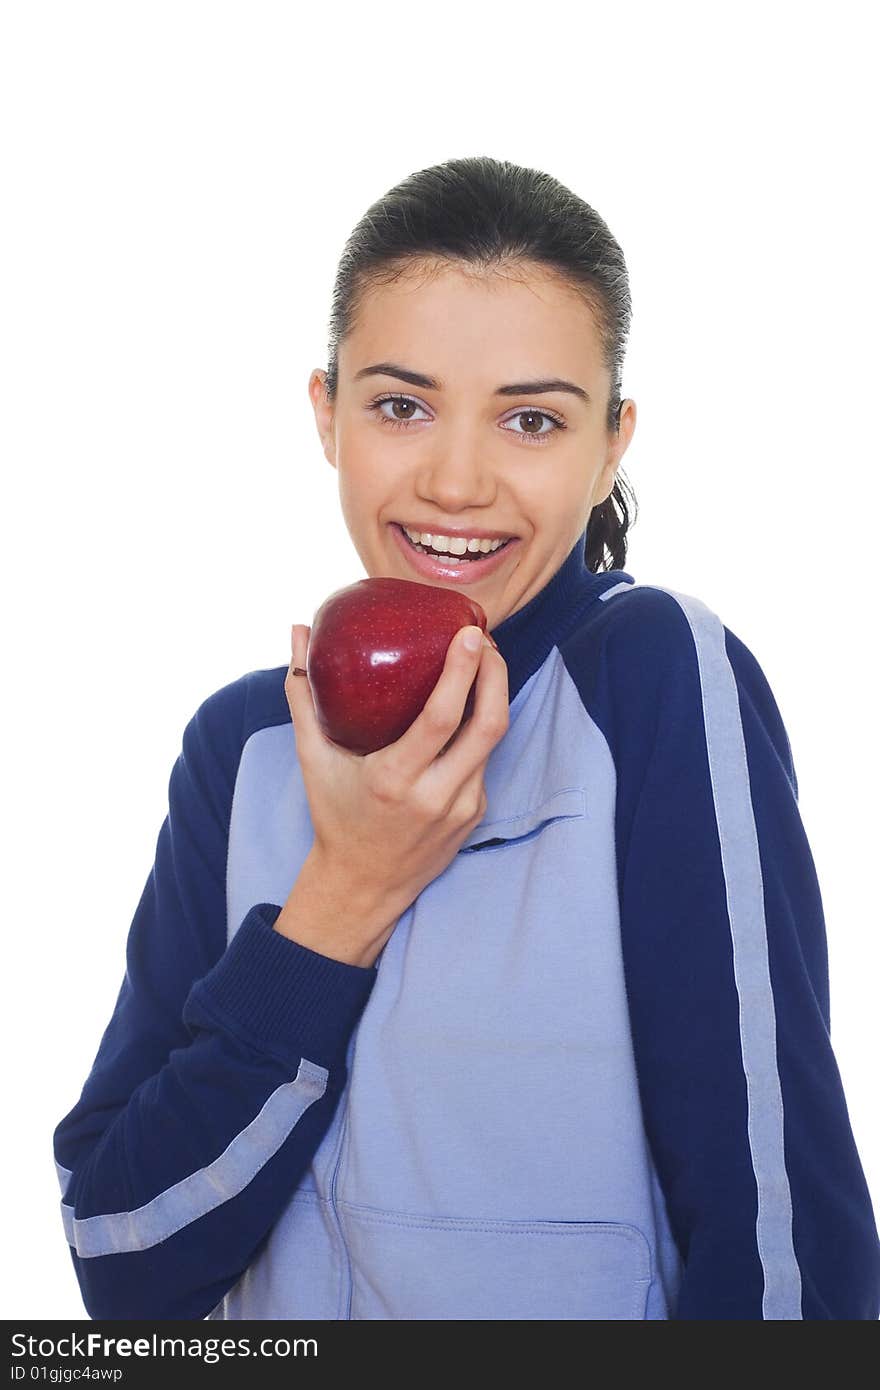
349, 1063
333, 1181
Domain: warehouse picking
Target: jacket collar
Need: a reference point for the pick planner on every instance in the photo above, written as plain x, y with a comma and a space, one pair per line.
527, 637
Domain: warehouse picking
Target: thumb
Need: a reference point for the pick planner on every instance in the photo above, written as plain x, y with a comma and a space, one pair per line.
296, 687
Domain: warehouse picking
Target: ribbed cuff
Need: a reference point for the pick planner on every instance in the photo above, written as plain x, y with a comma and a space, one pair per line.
281, 995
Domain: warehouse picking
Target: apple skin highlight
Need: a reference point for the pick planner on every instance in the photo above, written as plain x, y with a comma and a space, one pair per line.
377, 649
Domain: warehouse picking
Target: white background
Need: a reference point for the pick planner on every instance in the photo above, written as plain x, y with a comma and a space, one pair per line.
179, 180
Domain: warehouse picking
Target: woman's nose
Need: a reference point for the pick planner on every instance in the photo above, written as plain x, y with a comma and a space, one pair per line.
458, 476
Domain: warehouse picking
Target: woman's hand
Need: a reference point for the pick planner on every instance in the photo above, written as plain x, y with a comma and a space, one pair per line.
386, 824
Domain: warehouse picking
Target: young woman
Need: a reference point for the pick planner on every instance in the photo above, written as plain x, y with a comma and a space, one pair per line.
524, 1017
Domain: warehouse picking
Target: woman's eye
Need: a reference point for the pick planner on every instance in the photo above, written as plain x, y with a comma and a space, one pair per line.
408, 406
552, 420
388, 419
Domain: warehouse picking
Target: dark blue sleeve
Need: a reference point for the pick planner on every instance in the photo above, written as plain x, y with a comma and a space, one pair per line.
217, 1075
726, 971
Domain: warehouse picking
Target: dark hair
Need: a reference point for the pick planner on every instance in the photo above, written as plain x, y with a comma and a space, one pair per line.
487, 212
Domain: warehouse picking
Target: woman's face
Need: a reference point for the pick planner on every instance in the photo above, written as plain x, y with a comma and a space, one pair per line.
466, 454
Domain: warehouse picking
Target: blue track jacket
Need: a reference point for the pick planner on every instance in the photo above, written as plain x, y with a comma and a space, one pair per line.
590, 1074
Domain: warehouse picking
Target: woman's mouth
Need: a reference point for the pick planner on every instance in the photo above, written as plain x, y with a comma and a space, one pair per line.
454, 569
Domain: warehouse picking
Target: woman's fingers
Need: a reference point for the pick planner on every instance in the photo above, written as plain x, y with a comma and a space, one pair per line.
299, 695
469, 751
408, 758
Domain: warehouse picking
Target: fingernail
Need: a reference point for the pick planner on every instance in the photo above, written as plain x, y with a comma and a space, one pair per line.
473, 639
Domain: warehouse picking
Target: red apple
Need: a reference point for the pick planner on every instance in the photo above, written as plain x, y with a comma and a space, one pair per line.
376, 651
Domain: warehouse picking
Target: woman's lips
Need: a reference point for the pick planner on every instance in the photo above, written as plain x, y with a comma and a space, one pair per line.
445, 567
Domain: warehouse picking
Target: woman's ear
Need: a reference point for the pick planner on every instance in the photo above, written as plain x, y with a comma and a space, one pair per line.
324, 413
617, 448
627, 424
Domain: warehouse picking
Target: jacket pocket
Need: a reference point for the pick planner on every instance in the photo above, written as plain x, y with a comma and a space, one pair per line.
429, 1268
567, 804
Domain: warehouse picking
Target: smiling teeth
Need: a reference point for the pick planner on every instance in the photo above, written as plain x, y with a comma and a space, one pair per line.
453, 545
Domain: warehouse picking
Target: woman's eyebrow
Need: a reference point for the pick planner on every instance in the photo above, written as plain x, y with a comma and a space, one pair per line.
517, 388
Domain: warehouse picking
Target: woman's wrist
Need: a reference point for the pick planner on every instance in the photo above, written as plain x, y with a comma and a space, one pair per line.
329, 915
